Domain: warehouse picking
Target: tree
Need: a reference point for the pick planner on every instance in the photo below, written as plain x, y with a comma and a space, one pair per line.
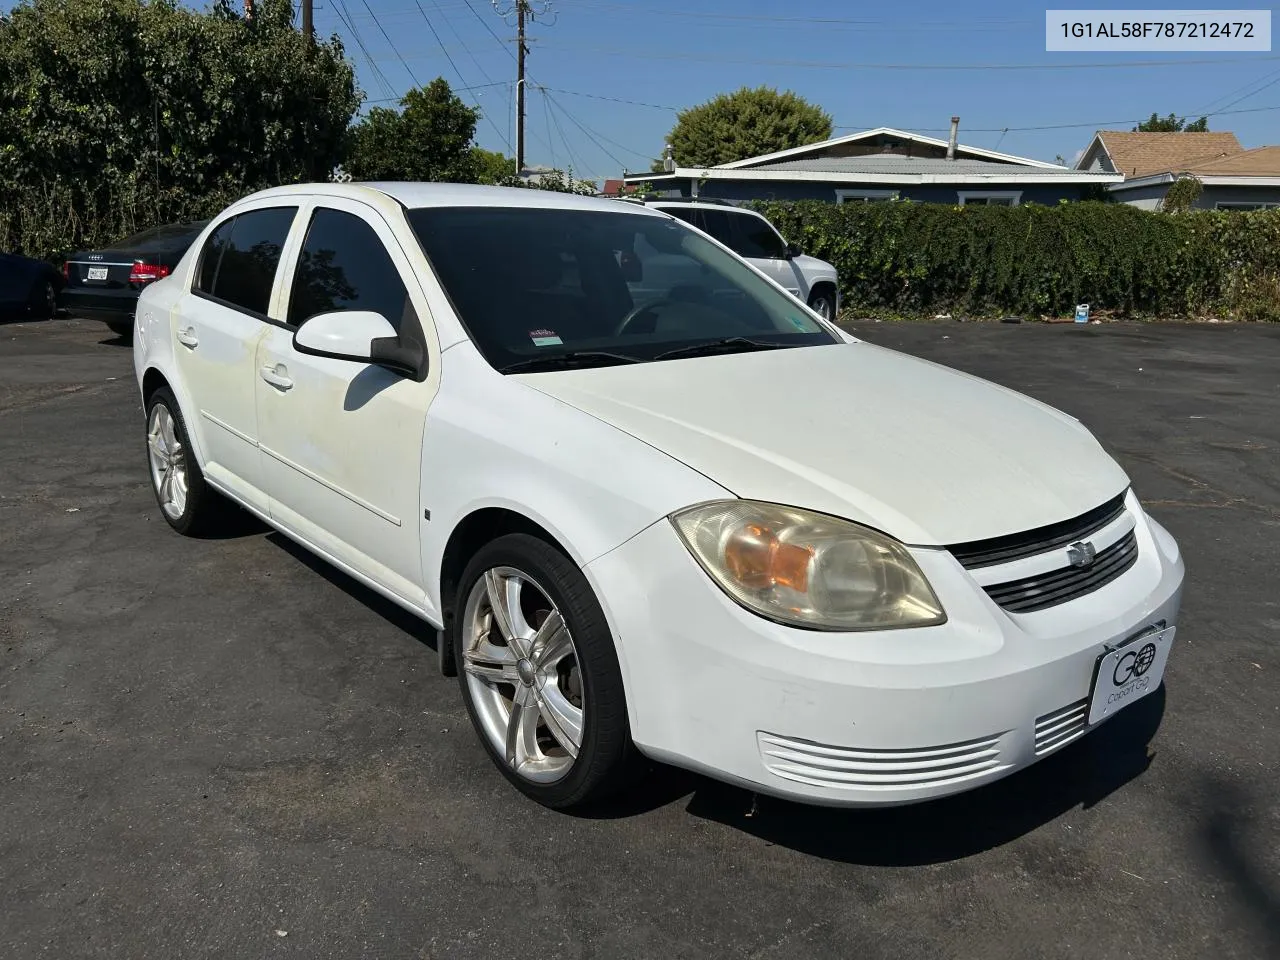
749, 122
119, 114
429, 138
1172, 124
492, 166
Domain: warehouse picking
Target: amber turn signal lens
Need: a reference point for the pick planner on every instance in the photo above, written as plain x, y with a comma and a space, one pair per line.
758, 559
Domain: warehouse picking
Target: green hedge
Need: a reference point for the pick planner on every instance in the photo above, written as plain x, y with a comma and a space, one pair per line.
920, 259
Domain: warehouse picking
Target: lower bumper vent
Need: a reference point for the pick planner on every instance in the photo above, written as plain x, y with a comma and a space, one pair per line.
1056, 729
860, 768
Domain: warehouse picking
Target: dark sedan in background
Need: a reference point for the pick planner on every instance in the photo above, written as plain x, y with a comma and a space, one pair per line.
28, 288
104, 284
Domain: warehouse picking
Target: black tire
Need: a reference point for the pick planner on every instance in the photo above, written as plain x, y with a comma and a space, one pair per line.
204, 508
44, 300
606, 759
823, 302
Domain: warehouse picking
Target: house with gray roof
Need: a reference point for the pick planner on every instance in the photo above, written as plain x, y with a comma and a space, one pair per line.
879, 165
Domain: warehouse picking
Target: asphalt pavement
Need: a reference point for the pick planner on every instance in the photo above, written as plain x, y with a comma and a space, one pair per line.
223, 748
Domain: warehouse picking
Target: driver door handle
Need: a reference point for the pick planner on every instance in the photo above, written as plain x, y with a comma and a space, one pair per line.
276, 376
188, 337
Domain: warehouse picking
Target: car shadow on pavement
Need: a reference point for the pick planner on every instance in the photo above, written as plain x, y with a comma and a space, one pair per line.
938, 831
393, 613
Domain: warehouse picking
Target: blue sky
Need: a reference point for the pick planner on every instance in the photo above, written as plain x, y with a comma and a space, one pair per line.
865, 63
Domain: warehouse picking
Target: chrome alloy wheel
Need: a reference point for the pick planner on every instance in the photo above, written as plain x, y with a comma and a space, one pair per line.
523, 675
168, 460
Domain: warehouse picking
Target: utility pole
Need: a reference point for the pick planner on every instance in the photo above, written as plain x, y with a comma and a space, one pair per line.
307, 31
525, 13
522, 48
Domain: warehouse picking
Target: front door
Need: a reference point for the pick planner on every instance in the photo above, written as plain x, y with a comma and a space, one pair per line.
341, 441
219, 322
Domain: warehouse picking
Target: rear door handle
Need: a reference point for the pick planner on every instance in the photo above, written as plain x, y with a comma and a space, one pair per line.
188, 338
276, 376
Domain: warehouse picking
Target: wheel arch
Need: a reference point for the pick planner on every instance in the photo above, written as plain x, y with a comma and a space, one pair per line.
468, 536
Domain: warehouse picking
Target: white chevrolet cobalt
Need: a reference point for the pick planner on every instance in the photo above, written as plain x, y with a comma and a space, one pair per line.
653, 502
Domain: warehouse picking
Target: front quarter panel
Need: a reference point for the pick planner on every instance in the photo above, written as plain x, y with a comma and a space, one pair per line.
491, 441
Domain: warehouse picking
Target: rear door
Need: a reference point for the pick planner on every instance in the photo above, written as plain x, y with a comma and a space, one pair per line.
341, 440
217, 326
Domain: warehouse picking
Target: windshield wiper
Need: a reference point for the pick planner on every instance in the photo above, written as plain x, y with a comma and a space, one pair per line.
569, 361
727, 345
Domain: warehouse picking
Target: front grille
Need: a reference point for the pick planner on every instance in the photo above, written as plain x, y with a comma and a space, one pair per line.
1058, 586
1056, 729
986, 553
871, 769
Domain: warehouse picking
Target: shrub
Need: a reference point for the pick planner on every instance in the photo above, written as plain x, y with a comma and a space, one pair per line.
918, 259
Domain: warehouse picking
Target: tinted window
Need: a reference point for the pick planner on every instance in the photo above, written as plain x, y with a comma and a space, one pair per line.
240, 258
168, 233
344, 266
753, 237
531, 283
719, 224
211, 255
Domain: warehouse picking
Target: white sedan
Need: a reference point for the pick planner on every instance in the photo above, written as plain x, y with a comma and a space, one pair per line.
652, 502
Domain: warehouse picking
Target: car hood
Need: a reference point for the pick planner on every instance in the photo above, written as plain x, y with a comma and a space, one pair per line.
922, 452
812, 266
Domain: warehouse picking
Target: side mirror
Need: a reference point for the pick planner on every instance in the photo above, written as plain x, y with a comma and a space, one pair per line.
793, 250
361, 336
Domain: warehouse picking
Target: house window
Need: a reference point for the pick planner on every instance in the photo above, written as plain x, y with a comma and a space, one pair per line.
1244, 205
991, 198
865, 196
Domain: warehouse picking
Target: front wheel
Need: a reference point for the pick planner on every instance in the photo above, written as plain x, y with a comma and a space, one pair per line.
539, 673
823, 303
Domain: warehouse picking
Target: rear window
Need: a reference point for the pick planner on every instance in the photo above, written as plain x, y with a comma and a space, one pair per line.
167, 233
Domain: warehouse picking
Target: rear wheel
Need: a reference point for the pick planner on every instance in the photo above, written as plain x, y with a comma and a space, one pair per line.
187, 503
539, 673
44, 300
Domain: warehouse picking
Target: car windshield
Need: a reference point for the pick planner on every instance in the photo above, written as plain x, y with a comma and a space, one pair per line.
546, 288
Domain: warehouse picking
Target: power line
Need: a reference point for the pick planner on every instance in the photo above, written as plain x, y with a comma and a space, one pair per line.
1094, 124
387, 37
485, 23
596, 135
474, 98
978, 23
474, 86
574, 121
845, 65
596, 96
344, 14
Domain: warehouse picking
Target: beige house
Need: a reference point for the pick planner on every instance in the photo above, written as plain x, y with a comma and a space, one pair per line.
1233, 177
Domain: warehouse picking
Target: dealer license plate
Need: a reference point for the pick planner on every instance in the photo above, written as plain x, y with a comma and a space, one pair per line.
1128, 673
96, 273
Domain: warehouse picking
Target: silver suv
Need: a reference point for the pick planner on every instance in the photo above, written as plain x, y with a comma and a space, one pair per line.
758, 241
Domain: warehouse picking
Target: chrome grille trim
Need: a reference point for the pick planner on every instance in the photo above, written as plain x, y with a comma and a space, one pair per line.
822, 765
1047, 590
1060, 727
987, 553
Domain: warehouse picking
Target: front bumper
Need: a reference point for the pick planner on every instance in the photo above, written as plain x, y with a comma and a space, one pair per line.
877, 718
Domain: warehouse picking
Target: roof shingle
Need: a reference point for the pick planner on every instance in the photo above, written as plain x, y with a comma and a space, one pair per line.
1140, 154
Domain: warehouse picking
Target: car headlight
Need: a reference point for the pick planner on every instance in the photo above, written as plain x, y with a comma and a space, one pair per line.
808, 569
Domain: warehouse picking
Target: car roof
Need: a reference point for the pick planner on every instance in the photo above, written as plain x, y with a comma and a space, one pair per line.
415, 195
